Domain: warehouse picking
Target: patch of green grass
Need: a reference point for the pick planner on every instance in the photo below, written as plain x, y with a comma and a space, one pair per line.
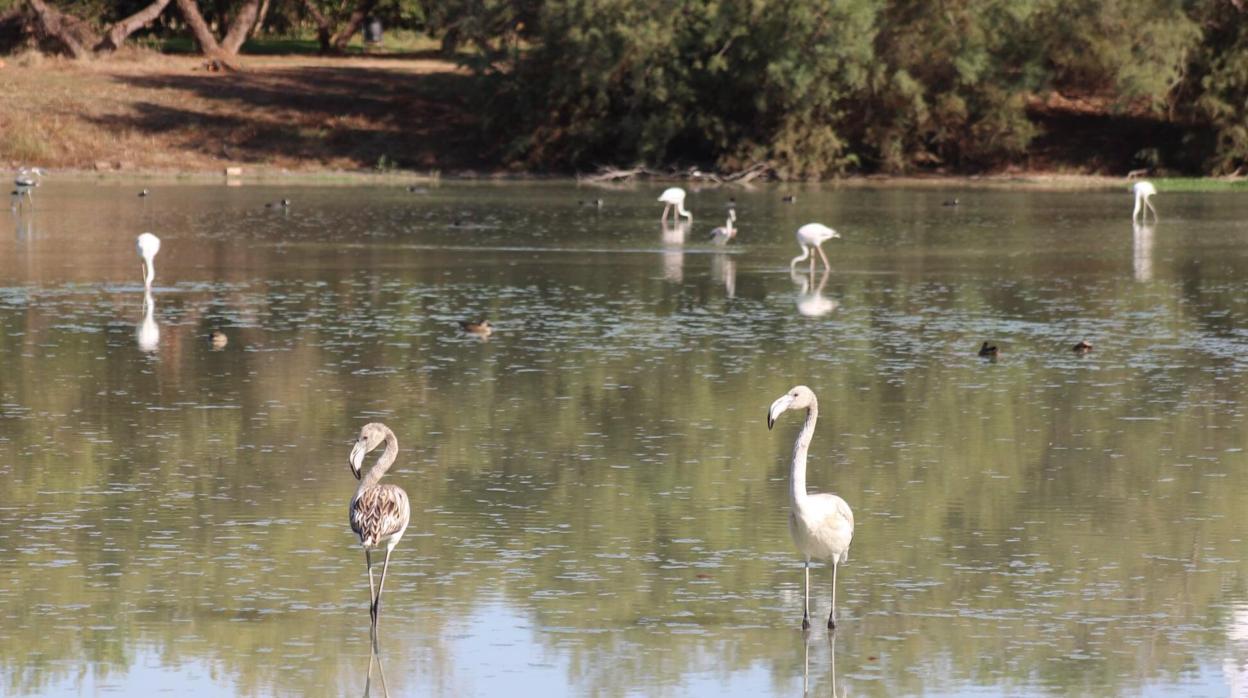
1199, 184
393, 42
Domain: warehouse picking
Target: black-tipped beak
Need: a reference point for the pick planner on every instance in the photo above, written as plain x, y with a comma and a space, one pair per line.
770, 422
356, 461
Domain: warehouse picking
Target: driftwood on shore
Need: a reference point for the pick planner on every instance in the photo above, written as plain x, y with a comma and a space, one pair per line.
612, 175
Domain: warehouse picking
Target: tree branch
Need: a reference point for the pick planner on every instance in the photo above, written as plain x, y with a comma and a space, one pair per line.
122, 29
64, 28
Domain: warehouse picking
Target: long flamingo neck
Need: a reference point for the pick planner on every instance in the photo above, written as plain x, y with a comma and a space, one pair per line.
801, 257
680, 210
383, 464
797, 476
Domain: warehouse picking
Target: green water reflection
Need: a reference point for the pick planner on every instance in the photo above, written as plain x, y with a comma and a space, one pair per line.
598, 507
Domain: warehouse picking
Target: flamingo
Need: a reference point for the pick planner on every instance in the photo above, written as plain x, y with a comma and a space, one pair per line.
822, 525
27, 179
674, 196
379, 513
1143, 192
149, 245
813, 235
721, 235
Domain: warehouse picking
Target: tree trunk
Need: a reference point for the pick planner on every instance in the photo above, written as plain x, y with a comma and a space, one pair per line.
62, 27
323, 27
122, 29
240, 27
199, 28
264, 12
343, 37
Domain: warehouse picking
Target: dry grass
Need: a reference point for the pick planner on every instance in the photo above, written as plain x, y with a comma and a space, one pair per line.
146, 111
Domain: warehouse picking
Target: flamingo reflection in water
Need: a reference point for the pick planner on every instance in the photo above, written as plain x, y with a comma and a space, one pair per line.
811, 302
1142, 253
724, 270
674, 253
381, 671
148, 332
806, 642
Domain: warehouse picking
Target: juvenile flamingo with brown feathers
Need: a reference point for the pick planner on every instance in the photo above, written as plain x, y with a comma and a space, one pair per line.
379, 513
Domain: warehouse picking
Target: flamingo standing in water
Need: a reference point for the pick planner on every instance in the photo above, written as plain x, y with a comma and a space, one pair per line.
1143, 192
813, 235
148, 245
379, 513
724, 233
822, 525
674, 196
26, 180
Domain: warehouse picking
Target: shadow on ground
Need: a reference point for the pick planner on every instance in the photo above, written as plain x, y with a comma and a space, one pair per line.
366, 116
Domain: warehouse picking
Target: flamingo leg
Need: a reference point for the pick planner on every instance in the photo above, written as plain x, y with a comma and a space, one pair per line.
666, 208
832, 613
806, 600
382, 585
826, 265
372, 596
1149, 204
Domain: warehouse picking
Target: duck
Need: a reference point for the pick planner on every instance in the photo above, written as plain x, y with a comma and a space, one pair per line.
218, 339
989, 351
144, 193
284, 203
1082, 347
789, 198
481, 328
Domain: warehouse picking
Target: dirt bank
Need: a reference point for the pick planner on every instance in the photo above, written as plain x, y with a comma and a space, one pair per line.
154, 113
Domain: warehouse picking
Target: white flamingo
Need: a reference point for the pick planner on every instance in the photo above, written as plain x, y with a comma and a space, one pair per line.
1143, 192
813, 235
674, 196
822, 525
148, 245
724, 233
379, 513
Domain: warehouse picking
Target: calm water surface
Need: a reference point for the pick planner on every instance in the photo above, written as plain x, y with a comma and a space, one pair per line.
598, 507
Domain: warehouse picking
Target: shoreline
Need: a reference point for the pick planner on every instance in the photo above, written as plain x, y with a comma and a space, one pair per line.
1038, 181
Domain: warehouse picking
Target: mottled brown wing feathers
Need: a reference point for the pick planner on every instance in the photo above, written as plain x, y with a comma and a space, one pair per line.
379, 511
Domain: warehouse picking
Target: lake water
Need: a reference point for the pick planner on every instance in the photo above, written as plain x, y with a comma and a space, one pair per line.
598, 507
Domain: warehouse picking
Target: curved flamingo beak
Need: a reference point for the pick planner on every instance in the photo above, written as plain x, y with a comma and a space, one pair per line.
777, 408
357, 457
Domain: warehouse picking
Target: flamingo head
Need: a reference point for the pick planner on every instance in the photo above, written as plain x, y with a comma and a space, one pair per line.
371, 436
798, 398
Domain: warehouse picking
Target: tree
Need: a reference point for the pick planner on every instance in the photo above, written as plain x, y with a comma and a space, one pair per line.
240, 27
80, 39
